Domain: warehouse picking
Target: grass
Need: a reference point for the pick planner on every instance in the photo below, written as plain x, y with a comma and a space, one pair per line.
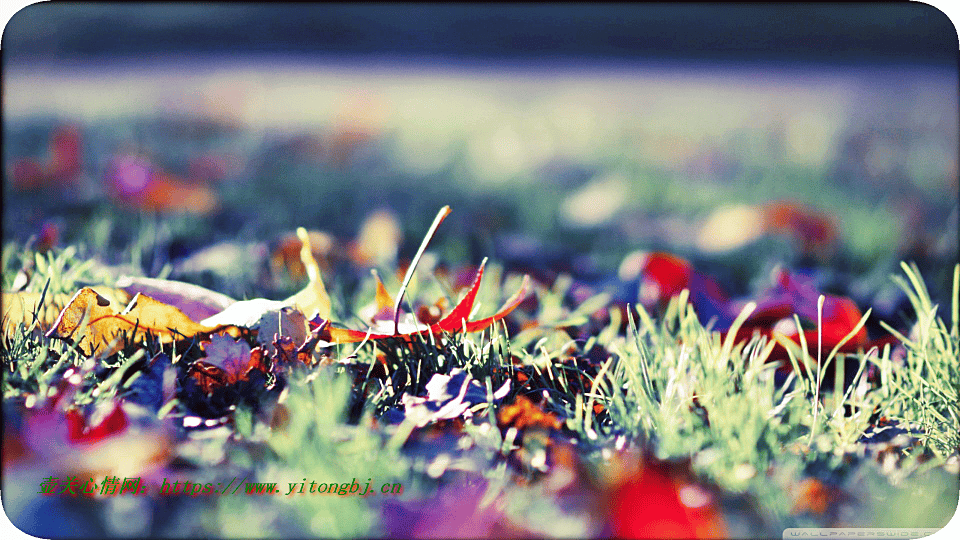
666, 384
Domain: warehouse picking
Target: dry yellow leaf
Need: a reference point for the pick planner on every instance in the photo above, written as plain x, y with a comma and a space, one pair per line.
313, 298
91, 320
19, 308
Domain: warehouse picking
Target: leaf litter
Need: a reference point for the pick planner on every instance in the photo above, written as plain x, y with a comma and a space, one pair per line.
229, 364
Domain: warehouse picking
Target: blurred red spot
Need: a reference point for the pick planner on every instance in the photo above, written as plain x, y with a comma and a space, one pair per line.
812, 496
649, 505
661, 276
134, 181
49, 237
664, 276
814, 231
61, 168
83, 430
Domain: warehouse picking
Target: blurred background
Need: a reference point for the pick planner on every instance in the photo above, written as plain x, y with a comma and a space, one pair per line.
564, 137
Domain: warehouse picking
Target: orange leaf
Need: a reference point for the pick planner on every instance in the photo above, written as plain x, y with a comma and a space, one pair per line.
19, 307
379, 239
523, 413
385, 309
90, 319
346, 335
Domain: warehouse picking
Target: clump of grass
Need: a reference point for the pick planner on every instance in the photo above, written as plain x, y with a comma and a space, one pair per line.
32, 362
686, 393
922, 387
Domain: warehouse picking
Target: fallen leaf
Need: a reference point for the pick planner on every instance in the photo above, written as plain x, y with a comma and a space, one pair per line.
652, 500
107, 419
730, 227
112, 437
384, 302
19, 308
733, 227
90, 320
245, 313
455, 321
284, 317
814, 231
194, 301
134, 181
228, 354
523, 413
792, 294
813, 496
659, 276
49, 236
287, 322
227, 362
313, 299
62, 169
266, 317
285, 257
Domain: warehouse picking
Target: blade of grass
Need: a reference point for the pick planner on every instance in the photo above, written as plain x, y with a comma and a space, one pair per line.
820, 368
441, 215
955, 303
588, 421
734, 328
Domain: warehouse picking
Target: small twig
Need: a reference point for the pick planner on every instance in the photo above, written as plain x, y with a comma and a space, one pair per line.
441, 215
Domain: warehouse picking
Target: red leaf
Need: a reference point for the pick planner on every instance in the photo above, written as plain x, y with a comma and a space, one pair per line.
792, 294
455, 321
510, 305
